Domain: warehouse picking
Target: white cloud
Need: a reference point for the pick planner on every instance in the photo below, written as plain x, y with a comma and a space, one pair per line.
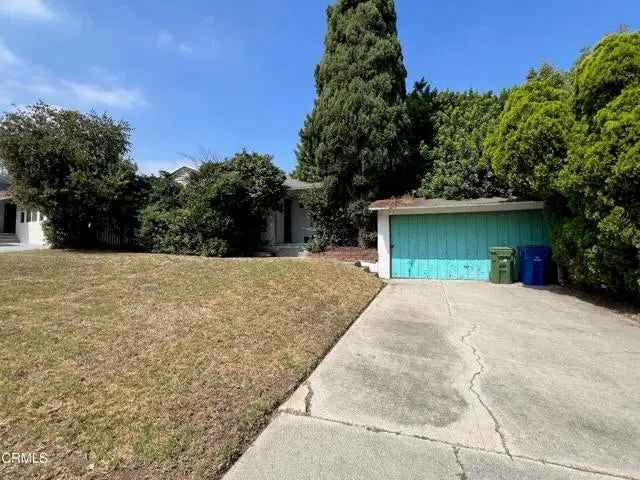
94, 94
101, 74
167, 41
27, 10
7, 57
23, 83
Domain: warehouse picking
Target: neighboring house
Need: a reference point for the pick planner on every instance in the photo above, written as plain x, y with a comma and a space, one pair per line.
450, 239
183, 175
18, 224
288, 230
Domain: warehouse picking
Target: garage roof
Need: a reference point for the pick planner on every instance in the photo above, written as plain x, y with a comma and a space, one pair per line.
407, 205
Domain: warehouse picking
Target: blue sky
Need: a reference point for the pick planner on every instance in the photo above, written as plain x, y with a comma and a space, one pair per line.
217, 76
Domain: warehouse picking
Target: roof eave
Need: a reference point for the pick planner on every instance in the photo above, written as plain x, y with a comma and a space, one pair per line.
482, 207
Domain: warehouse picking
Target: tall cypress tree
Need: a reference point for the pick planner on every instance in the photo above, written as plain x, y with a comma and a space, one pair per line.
355, 137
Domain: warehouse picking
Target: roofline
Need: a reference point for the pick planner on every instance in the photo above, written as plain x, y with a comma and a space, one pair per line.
305, 187
479, 207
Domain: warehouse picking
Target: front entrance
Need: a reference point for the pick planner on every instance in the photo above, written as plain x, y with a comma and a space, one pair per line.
287, 221
9, 223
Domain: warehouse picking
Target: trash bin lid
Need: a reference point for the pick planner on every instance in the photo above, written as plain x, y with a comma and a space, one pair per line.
502, 251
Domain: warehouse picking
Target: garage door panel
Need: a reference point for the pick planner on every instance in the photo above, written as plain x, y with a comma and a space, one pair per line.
456, 246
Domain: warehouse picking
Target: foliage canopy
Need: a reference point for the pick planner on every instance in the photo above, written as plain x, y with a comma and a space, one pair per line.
355, 137
529, 145
74, 168
221, 211
459, 167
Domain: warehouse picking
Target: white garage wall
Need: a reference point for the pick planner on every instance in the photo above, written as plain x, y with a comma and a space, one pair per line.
384, 245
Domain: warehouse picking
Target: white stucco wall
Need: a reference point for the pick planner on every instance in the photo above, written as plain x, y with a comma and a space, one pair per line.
384, 245
300, 223
29, 232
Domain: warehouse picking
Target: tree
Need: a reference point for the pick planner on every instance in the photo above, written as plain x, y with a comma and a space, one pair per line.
601, 75
73, 167
422, 107
529, 145
597, 235
355, 137
221, 211
459, 166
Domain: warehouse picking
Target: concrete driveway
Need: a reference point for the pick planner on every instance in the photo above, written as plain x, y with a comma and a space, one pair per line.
464, 380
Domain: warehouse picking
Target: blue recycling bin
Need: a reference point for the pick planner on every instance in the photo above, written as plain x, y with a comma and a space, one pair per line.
534, 265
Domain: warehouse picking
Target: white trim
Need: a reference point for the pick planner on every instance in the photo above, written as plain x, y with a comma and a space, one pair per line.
384, 245
483, 207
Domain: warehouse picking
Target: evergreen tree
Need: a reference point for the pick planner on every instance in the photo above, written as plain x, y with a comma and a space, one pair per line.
355, 138
529, 146
459, 165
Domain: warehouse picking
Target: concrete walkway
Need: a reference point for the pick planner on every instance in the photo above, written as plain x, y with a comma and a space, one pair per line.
464, 380
18, 247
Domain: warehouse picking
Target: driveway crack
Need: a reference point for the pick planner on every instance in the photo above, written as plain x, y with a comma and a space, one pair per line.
472, 383
457, 447
463, 473
307, 399
472, 387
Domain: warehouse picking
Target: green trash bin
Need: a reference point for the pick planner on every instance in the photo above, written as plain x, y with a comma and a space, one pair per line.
503, 264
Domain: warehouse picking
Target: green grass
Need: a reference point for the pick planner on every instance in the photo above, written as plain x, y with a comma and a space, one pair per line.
149, 366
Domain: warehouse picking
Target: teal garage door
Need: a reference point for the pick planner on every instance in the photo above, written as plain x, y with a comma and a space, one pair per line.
456, 246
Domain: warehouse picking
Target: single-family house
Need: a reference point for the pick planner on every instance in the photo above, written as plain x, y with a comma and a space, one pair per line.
451, 239
289, 228
18, 225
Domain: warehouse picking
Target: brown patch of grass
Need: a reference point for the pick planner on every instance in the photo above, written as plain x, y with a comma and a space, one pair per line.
148, 366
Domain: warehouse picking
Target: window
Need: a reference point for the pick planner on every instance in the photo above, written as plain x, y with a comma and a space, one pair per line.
21, 216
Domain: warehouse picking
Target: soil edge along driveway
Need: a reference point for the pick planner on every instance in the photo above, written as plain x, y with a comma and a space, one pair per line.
451, 380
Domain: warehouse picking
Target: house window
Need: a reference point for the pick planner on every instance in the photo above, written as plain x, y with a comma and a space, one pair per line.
32, 216
21, 216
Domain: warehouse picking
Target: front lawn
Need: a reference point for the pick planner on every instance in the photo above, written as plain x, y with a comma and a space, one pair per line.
153, 366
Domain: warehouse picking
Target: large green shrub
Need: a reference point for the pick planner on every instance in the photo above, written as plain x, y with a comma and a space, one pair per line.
529, 146
601, 180
602, 74
221, 211
422, 107
459, 167
75, 168
574, 140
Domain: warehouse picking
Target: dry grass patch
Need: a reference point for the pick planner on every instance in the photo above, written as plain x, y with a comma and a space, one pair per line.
149, 366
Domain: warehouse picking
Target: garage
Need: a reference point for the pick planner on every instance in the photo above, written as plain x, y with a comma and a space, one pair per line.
450, 239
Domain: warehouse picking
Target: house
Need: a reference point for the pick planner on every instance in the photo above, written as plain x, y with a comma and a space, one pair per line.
450, 239
18, 225
183, 175
288, 229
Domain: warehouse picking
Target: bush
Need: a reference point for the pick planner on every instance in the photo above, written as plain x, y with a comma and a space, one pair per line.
74, 168
529, 147
331, 225
221, 211
581, 153
601, 179
459, 166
